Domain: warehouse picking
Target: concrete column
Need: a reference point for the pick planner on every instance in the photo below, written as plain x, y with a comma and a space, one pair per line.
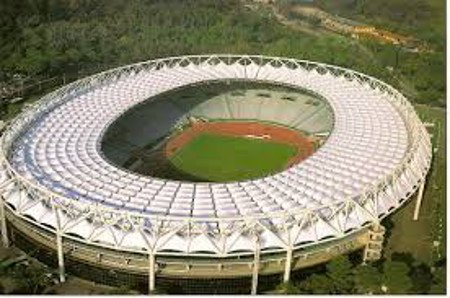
59, 247
62, 277
151, 272
419, 200
287, 267
255, 268
4, 228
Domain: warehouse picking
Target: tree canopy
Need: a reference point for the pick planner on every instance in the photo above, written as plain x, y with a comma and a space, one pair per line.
52, 37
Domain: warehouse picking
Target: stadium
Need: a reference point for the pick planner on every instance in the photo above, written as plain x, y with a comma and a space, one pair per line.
118, 172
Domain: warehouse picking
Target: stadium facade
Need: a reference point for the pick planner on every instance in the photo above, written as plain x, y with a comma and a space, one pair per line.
59, 192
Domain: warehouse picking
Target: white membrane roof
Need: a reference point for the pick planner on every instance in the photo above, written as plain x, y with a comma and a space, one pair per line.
323, 196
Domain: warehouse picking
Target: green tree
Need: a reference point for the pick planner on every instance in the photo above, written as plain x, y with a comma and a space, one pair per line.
438, 285
316, 284
367, 279
34, 278
421, 278
8, 284
287, 288
396, 277
340, 273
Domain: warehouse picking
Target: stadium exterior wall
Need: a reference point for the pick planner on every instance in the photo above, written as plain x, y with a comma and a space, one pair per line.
170, 266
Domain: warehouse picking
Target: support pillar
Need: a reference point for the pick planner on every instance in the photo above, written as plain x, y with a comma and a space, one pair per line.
287, 267
4, 228
255, 268
419, 200
151, 272
62, 277
59, 247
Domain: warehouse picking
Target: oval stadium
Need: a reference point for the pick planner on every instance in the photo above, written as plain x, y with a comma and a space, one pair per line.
210, 167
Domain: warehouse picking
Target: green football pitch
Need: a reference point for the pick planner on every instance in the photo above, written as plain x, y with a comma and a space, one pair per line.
218, 158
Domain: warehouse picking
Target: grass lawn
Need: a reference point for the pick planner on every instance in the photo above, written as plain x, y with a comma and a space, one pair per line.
417, 237
224, 158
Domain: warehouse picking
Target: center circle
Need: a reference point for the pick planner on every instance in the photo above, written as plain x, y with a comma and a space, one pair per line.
219, 131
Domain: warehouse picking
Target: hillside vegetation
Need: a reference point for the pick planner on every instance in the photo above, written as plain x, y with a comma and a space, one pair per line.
50, 37
422, 19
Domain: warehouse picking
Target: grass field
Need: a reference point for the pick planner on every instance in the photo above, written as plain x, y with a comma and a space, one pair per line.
425, 239
219, 158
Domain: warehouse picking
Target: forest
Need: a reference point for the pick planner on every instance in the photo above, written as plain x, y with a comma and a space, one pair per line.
342, 275
46, 38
